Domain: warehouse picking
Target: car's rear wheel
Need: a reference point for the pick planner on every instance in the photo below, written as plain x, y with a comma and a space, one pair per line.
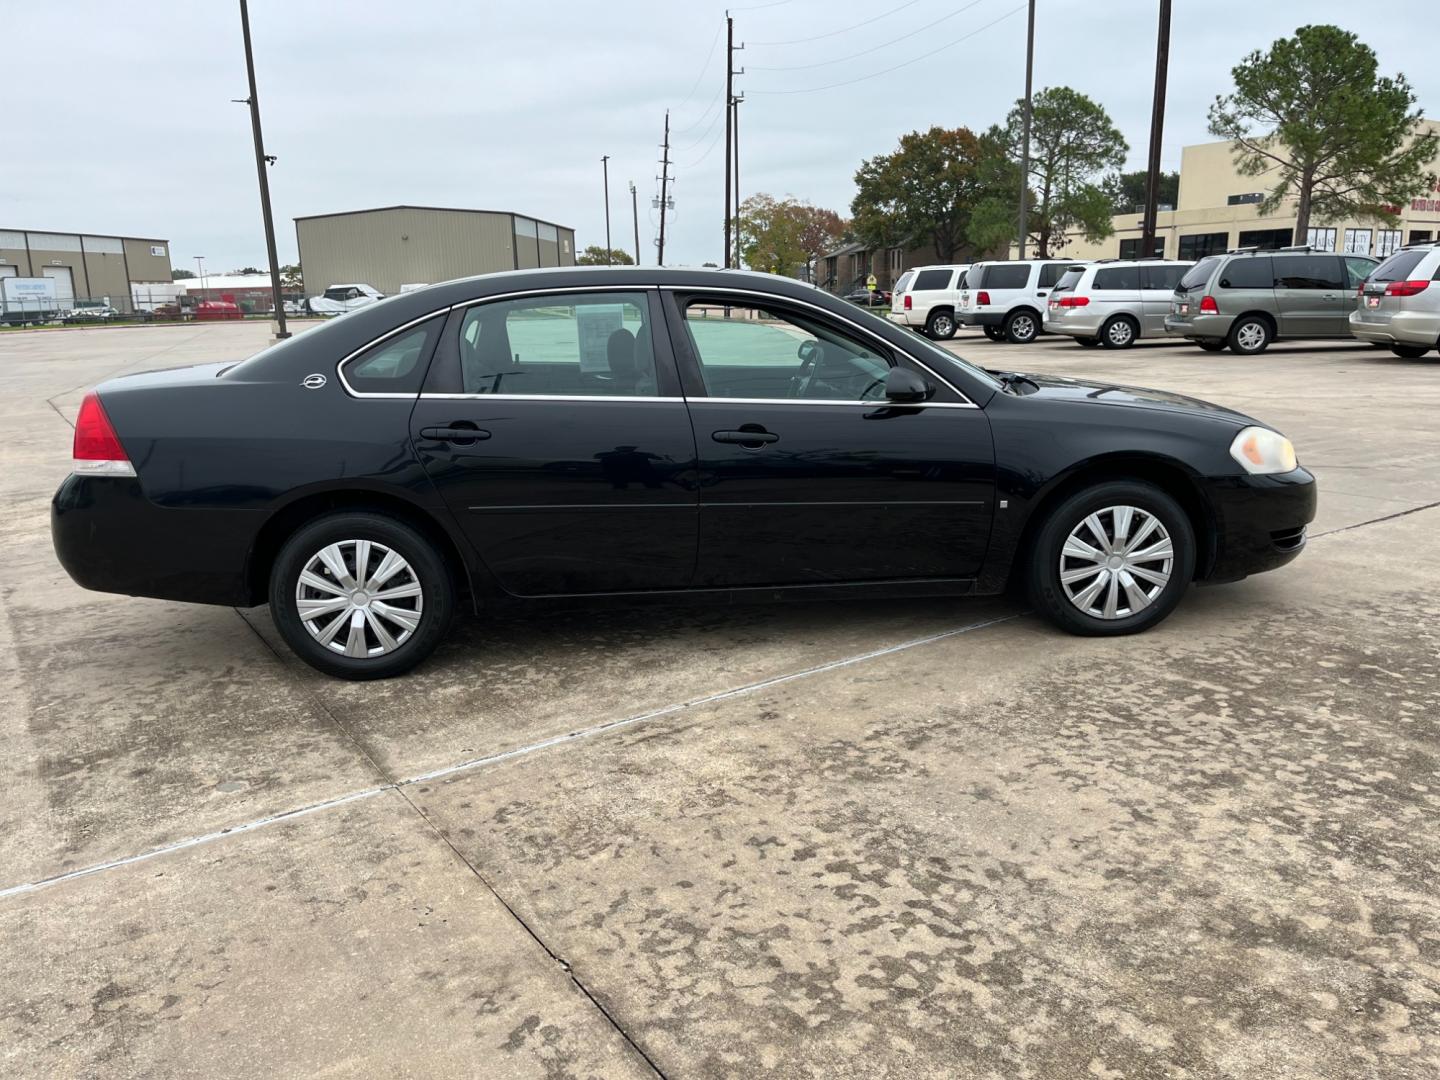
1119, 332
1112, 559
1022, 327
994, 333
1211, 344
360, 595
941, 325
1250, 335
1409, 352
1087, 342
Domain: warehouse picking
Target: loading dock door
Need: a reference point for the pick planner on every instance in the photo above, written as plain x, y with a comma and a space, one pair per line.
64, 284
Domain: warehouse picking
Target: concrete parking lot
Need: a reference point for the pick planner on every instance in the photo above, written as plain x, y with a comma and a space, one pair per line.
885, 839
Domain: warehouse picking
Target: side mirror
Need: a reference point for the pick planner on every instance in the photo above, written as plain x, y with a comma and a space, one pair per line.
904, 385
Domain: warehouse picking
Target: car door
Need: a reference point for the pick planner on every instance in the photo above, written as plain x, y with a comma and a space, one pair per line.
1157, 289
808, 476
1307, 295
553, 426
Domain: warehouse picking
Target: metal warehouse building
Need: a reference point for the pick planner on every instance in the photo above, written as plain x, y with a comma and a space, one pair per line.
85, 266
392, 246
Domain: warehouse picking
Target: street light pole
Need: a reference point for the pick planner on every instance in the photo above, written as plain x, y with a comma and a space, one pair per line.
1157, 127
605, 168
260, 162
635, 217
1025, 141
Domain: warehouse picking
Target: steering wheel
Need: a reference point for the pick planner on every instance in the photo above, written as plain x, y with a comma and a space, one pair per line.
809, 353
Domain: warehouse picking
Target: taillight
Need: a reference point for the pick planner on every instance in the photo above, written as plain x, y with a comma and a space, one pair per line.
1405, 288
907, 301
1074, 301
981, 299
97, 448
1208, 306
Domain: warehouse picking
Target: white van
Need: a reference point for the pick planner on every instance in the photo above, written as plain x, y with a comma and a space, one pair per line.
1008, 299
925, 298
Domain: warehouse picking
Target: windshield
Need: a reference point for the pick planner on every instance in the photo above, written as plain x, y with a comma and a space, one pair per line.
1069, 279
1198, 274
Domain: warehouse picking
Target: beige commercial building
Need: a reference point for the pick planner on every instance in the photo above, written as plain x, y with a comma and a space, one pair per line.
86, 267
1217, 209
391, 246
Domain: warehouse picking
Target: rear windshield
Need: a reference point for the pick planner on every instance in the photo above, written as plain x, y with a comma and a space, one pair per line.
1198, 274
904, 281
1399, 266
1070, 279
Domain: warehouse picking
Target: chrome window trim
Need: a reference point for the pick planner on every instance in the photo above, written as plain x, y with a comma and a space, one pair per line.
879, 403
965, 402
547, 397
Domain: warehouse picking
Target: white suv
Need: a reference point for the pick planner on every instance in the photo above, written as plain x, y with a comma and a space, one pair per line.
1007, 299
1114, 303
925, 298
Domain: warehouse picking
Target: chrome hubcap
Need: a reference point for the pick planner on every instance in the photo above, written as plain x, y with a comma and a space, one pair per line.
1250, 336
942, 325
359, 598
1024, 327
1120, 332
1116, 562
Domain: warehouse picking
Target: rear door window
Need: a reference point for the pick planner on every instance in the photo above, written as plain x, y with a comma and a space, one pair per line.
1256, 273
931, 279
1118, 277
1007, 276
1307, 272
1161, 277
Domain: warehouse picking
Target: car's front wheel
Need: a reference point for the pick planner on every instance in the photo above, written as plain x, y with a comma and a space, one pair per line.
1409, 352
1211, 344
1112, 559
1087, 342
994, 333
360, 595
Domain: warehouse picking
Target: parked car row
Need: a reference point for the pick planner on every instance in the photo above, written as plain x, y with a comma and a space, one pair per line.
1242, 300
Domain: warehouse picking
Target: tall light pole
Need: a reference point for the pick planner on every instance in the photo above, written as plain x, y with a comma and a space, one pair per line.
260, 163
635, 217
1157, 127
1025, 139
605, 169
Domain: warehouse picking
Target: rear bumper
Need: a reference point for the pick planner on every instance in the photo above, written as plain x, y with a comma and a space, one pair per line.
1081, 325
904, 318
110, 538
1420, 328
980, 318
1199, 326
1260, 522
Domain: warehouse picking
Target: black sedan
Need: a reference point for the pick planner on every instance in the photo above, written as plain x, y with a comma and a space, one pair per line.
615, 432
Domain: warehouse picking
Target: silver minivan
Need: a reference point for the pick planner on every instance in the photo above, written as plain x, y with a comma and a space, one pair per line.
1399, 303
1113, 303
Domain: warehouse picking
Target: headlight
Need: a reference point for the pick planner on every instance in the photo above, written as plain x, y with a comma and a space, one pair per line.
1261, 451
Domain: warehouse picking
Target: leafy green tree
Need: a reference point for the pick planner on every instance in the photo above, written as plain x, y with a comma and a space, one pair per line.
1126, 190
785, 236
928, 190
1072, 144
1313, 113
180, 274
594, 255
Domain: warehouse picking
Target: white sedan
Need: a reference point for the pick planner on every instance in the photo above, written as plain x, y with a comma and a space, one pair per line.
338, 299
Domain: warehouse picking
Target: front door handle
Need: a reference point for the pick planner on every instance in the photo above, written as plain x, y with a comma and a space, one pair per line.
461, 433
751, 437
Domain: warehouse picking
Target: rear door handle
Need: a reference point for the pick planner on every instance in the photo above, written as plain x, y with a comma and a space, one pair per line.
464, 436
750, 439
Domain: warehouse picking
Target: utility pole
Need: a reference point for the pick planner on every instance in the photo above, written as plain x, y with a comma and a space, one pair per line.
735, 111
260, 162
729, 122
635, 217
1157, 127
1025, 141
200, 265
605, 168
664, 180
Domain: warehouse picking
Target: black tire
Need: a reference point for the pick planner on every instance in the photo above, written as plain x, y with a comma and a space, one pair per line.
1409, 352
1250, 335
1046, 591
994, 333
425, 566
1087, 342
941, 324
1119, 332
1022, 327
1211, 344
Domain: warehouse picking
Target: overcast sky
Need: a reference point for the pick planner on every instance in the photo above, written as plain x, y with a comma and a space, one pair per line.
118, 117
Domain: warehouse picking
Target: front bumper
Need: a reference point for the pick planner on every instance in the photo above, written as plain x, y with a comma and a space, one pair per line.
980, 318
1260, 522
1420, 328
1199, 326
109, 537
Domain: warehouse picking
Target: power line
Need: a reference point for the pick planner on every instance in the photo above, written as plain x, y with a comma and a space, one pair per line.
896, 67
873, 48
709, 55
701, 118
834, 33
761, 7
708, 151
701, 137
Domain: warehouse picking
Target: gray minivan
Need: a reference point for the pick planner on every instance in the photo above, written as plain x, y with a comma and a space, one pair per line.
1248, 298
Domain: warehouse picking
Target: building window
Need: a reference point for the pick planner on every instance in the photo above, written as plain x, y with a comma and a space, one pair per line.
1267, 239
1130, 249
895, 256
1197, 245
1245, 199
1357, 242
158, 250
1321, 239
1387, 242
1421, 236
